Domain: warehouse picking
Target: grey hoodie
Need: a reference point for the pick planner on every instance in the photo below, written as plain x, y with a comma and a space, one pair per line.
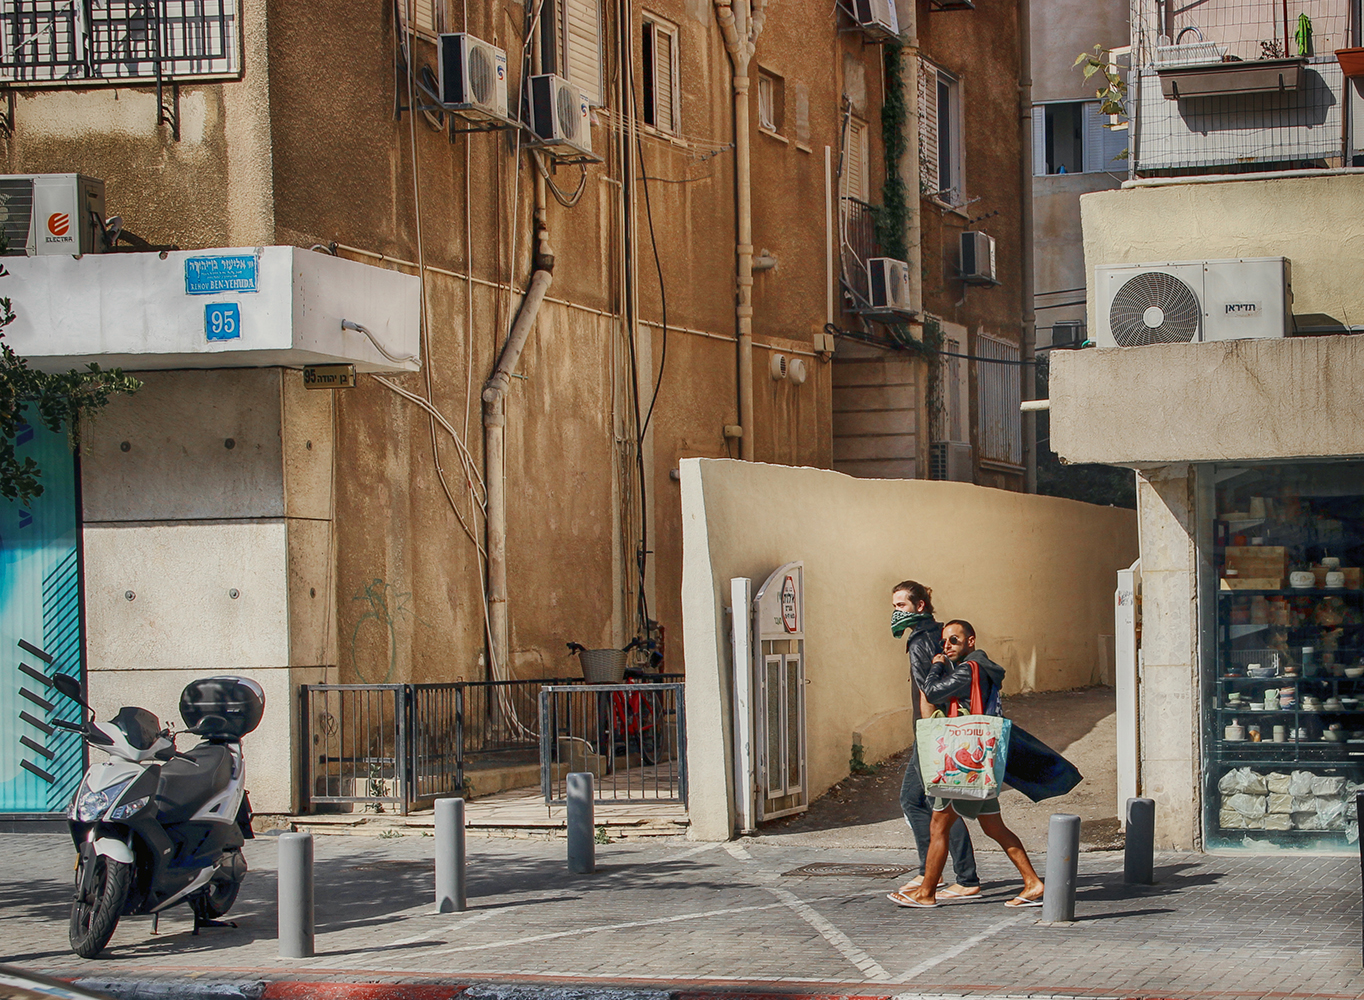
946, 681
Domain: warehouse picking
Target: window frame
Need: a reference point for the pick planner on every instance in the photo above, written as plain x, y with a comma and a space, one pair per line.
932, 125
229, 18
776, 87
651, 26
554, 47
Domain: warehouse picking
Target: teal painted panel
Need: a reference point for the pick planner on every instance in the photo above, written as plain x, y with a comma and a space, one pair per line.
39, 603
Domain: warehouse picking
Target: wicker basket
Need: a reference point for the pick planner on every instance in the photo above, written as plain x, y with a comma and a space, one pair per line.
603, 666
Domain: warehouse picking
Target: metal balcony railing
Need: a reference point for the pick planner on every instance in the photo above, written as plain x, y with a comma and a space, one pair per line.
857, 240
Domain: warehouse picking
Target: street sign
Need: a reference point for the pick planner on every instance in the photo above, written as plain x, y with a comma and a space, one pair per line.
329, 377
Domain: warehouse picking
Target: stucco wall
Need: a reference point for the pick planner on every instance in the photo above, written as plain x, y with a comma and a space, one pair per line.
1061, 30
1230, 400
1035, 575
1059, 258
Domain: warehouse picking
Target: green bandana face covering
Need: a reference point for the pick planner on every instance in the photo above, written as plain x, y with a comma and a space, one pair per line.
902, 620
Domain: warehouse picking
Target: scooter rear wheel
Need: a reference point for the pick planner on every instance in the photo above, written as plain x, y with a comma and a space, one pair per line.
219, 895
94, 915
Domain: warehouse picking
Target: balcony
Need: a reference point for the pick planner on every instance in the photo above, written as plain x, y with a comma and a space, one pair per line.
857, 239
1236, 86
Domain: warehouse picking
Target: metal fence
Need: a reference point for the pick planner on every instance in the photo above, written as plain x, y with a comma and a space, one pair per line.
857, 237
395, 747
630, 737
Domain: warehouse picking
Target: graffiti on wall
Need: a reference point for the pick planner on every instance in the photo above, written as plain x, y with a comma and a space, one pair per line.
376, 630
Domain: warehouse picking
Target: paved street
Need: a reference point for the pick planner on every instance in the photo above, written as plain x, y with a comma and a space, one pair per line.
680, 915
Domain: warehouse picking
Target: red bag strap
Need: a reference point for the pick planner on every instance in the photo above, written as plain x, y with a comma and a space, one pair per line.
977, 702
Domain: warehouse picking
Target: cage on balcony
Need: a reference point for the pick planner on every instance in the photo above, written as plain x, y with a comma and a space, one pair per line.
1228, 86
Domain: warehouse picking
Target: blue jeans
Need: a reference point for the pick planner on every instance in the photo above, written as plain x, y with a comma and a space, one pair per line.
918, 812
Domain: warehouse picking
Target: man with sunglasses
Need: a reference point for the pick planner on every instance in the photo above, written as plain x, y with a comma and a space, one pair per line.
949, 678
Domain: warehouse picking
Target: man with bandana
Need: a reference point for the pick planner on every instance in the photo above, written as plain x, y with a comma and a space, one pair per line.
912, 613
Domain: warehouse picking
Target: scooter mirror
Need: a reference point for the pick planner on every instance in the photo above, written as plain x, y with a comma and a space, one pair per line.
70, 687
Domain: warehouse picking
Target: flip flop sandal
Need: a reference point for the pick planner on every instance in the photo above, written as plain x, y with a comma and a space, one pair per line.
1018, 902
900, 899
918, 880
964, 897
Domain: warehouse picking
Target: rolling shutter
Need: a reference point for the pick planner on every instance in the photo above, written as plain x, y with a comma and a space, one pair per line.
665, 85
928, 127
581, 22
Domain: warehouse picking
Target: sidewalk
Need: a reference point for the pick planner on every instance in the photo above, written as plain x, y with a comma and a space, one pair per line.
685, 918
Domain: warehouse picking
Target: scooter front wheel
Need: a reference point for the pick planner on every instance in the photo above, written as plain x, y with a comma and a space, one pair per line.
95, 911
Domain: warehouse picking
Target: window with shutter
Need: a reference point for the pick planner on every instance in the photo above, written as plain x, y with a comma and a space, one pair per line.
425, 17
578, 48
802, 94
940, 135
660, 80
928, 127
999, 392
855, 182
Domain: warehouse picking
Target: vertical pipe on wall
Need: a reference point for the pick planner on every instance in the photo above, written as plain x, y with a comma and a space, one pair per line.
1027, 370
741, 22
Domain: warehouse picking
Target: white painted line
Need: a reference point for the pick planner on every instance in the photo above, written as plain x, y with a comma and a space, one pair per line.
868, 965
952, 952
453, 925
738, 851
694, 851
513, 942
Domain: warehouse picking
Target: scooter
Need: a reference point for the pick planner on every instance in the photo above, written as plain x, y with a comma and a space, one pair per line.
152, 826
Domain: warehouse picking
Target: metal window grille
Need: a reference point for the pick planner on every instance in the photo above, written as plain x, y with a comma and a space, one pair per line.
44, 42
1000, 393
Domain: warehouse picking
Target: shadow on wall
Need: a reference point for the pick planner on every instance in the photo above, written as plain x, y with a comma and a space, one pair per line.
1035, 576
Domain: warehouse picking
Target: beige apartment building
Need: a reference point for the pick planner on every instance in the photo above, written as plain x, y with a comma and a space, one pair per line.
548, 305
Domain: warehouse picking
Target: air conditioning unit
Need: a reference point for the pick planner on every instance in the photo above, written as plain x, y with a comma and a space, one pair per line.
950, 461
877, 18
978, 259
51, 214
559, 115
888, 285
472, 80
1186, 302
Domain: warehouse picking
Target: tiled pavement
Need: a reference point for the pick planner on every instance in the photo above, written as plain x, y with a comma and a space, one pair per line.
691, 917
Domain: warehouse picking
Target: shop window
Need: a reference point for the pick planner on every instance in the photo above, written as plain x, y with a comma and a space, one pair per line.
54, 43
571, 44
771, 102
661, 91
1283, 687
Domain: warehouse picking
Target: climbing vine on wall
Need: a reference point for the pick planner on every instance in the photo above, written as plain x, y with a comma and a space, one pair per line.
893, 215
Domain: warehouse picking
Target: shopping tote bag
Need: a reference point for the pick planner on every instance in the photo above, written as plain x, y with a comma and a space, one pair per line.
963, 756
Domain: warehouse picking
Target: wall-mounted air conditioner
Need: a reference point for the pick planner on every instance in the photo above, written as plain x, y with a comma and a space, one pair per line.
888, 285
978, 259
877, 18
950, 461
473, 78
1184, 302
560, 116
51, 214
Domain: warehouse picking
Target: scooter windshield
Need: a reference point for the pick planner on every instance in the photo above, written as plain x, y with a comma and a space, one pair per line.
139, 726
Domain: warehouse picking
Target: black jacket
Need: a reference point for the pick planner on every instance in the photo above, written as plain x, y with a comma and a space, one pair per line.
924, 643
946, 681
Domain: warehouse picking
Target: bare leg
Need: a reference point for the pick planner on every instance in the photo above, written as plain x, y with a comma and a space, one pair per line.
993, 825
938, 830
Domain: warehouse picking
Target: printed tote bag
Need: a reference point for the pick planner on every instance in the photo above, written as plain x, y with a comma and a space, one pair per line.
963, 756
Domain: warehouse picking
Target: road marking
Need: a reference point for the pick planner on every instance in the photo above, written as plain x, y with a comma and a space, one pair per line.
868, 965
453, 925
738, 851
694, 851
608, 927
952, 952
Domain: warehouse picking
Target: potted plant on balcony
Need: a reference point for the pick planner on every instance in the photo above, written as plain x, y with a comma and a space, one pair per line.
1351, 61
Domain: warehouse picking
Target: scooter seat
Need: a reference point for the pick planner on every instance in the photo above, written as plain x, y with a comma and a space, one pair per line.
188, 785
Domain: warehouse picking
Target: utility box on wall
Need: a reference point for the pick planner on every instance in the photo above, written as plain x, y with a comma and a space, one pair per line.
43, 214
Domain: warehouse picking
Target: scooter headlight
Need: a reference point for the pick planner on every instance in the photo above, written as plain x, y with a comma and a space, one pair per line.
90, 804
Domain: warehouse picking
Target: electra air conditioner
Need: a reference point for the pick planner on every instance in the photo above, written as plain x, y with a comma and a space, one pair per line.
888, 285
44, 214
877, 18
1185, 302
560, 116
473, 78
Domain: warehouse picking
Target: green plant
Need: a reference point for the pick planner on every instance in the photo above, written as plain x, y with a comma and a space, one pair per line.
892, 216
1113, 94
1303, 36
601, 837
390, 834
858, 764
378, 787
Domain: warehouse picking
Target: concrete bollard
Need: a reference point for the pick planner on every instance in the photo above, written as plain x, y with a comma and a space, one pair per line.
296, 921
582, 846
1359, 813
1063, 864
1138, 861
450, 896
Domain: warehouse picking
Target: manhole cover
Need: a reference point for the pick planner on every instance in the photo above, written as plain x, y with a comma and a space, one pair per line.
851, 870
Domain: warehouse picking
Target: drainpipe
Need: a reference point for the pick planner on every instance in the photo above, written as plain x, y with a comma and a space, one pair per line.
909, 165
1027, 371
741, 22
494, 435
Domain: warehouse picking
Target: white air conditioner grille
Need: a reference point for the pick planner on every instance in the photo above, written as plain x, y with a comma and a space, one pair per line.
481, 73
1154, 308
566, 106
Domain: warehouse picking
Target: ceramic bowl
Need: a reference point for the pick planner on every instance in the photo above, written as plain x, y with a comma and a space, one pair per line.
1302, 580
1353, 672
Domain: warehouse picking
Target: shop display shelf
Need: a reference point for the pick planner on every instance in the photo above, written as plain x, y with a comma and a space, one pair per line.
1295, 592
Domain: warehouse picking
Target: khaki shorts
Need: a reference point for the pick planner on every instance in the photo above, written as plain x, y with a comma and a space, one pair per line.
968, 808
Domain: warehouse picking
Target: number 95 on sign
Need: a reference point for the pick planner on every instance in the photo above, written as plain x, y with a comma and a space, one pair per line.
222, 321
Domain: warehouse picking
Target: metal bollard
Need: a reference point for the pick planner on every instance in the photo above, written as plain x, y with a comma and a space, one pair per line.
450, 896
1138, 861
582, 848
1063, 864
296, 923
1359, 814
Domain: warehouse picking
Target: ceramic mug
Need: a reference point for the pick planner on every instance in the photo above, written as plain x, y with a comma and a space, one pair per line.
1335, 580
1280, 734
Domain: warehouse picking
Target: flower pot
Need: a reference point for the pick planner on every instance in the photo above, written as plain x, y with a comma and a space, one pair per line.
1351, 61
